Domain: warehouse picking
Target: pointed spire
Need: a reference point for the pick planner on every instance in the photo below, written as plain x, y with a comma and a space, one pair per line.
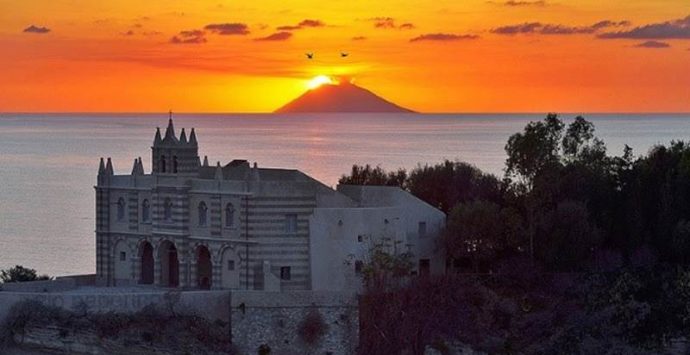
183, 137
109, 167
192, 137
141, 167
135, 167
205, 160
101, 167
219, 172
157, 139
170, 131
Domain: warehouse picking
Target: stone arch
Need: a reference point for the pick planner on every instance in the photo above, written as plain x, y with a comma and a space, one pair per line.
121, 257
204, 268
147, 263
169, 264
230, 268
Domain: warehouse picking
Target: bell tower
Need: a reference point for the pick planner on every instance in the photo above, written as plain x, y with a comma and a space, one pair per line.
172, 155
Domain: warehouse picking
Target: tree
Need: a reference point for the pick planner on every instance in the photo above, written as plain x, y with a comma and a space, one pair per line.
21, 274
536, 148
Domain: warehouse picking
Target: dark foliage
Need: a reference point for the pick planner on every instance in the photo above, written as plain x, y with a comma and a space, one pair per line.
312, 327
21, 274
574, 251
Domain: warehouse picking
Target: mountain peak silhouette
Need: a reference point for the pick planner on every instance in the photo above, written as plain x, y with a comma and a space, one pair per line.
343, 97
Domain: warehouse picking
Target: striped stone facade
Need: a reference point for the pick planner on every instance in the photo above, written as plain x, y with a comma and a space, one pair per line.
192, 225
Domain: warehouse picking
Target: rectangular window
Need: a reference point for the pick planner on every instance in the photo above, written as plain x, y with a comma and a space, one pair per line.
285, 273
123, 256
421, 230
231, 265
291, 223
359, 265
424, 267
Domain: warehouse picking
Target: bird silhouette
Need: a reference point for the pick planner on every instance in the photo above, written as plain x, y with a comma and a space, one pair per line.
344, 54
309, 55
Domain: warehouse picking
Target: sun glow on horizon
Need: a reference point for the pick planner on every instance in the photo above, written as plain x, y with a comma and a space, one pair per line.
319, 80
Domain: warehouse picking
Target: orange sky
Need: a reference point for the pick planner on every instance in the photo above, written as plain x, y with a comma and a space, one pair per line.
469, 56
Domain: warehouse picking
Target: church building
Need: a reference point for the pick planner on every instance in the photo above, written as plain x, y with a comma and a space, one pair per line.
195, 225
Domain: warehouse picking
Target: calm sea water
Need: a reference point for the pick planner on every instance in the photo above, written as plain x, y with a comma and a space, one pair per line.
48, 163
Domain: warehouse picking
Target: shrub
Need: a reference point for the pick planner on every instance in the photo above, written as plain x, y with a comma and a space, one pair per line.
21, 274
312, 327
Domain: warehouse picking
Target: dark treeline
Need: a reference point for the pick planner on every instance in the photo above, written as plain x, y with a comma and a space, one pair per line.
568, 227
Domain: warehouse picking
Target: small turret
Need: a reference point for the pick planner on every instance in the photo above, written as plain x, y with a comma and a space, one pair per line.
141, 167
170, 131
219, 172
135, 167
183, 137
192, 137
157, 139
205, 160
109, 167
101, 167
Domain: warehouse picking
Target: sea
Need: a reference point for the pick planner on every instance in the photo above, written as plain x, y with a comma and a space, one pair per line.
49, 162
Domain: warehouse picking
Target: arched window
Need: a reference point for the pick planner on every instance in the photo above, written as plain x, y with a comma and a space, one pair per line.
145, 211
175, 164
167, 210
202, 214
162, 163
121, 209
229, 215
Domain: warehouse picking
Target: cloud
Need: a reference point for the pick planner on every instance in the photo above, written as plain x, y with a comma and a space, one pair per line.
653, 44
517, 3
228, 28
303, 24
556, 29
443, 37
278, 36
359, 38
389, 22
36, 29
189, 37
676, 29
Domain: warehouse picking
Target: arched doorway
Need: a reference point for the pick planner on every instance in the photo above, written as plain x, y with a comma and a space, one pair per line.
230, 274
146, 254
170, 266
203, 268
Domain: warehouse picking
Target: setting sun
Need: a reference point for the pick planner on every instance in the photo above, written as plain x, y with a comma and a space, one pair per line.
318, 81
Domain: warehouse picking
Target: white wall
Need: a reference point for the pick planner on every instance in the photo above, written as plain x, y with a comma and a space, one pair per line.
335, 248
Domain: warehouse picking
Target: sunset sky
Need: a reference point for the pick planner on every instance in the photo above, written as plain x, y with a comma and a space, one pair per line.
429, 56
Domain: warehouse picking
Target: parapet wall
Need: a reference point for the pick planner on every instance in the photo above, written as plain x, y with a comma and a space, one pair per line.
269, 319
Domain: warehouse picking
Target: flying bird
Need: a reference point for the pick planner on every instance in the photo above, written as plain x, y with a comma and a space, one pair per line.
344, 54
309, 55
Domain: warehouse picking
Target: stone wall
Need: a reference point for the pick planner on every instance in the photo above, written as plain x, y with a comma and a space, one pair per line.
256, 318
276, 320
